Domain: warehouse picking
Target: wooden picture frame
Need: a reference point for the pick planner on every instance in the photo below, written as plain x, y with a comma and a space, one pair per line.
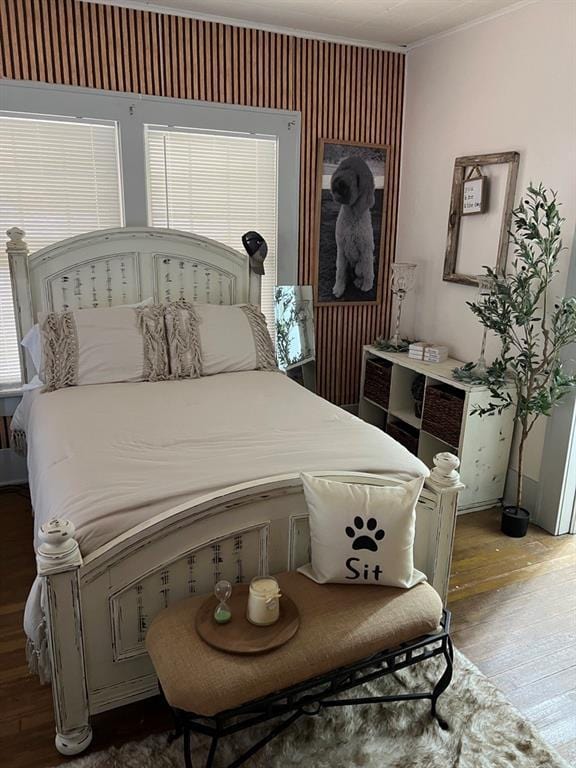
512, 159
324, 224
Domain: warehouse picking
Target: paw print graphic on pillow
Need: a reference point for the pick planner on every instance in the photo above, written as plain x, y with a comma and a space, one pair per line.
367, 540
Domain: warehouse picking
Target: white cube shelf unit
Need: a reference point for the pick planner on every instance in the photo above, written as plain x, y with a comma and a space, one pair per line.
444, 422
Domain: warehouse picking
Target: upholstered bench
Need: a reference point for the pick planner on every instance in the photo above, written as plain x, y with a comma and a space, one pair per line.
348, 635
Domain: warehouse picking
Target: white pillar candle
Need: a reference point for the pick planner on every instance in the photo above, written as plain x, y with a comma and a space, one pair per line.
263, 601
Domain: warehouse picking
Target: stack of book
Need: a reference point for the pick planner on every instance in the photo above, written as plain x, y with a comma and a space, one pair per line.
435, 354
416, 350
430, 353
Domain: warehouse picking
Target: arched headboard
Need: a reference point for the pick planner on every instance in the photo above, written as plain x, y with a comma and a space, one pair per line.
123, 266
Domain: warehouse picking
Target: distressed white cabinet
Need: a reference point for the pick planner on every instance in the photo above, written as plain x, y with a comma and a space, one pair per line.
481, 443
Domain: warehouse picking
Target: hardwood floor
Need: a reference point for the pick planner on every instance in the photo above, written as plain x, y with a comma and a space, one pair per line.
513, 604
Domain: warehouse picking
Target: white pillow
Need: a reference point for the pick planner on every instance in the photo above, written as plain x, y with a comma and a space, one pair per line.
205, 339
100, 346
362, 534
32, 341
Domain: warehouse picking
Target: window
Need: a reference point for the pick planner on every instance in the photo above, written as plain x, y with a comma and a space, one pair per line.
120, 161
217, 185
58, 178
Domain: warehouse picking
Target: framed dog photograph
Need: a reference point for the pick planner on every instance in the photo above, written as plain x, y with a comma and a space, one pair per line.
350, 221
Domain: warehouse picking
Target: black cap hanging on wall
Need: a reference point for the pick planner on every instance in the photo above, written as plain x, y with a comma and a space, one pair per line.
257, 249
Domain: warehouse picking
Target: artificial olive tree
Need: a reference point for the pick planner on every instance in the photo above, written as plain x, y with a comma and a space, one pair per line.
533, 327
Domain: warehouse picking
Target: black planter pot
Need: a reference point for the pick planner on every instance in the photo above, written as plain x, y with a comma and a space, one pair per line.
515, 522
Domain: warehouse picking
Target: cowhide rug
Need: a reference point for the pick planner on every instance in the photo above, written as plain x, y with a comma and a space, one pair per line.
485, 732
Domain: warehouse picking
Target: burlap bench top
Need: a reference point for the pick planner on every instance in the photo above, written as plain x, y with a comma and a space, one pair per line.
340, 624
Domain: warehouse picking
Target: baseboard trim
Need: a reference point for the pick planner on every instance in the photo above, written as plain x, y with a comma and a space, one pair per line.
479, 506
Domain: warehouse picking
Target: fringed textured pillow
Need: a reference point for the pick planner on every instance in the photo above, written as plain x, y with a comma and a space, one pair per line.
100, 346
205, 339
183, 340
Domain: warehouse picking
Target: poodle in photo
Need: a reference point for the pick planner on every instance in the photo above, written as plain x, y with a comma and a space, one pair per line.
352, 185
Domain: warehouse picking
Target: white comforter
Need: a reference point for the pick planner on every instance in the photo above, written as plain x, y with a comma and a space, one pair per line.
110, 456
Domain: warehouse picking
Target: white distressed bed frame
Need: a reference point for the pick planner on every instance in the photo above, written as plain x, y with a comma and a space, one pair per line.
97, 608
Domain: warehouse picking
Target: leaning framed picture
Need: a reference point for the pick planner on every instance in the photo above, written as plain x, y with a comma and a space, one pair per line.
350, 221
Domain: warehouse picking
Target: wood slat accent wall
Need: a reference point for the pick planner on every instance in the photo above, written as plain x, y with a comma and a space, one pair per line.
343, 92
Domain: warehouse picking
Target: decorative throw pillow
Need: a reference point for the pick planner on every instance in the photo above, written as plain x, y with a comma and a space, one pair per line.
205, 339
362, 534
100, 346
184, 352
32, 341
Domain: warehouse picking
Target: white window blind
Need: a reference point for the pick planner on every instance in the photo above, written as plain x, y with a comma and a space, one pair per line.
58, 178
217, 185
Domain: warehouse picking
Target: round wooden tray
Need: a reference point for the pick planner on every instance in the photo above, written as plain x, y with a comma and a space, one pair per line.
239, 635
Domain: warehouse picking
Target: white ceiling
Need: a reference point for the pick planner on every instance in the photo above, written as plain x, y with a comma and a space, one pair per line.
396, 22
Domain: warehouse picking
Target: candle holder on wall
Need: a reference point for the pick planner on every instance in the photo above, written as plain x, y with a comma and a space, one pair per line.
477, 372
485, 288
403, 280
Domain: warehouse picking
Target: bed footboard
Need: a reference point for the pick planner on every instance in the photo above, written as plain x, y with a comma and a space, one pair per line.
98, 609
59, 561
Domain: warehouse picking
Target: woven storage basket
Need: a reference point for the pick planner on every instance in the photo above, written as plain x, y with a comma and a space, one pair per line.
443, 408
377, 381
405, 435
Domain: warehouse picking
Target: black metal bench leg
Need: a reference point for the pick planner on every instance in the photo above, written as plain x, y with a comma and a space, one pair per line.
444, 682
212, 752
272, 735
187, 755
179, 724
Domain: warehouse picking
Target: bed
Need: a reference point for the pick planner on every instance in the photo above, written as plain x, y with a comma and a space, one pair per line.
180, 482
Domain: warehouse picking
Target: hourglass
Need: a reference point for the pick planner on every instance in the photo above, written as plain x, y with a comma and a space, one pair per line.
222, 612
